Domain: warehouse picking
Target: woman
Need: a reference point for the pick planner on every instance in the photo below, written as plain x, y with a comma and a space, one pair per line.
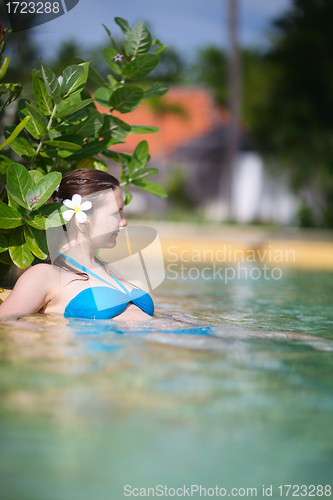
77, 284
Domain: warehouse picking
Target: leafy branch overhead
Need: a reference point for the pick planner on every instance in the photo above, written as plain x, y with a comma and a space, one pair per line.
63, 130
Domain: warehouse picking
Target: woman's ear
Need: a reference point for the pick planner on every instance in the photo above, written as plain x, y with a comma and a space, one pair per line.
82, 227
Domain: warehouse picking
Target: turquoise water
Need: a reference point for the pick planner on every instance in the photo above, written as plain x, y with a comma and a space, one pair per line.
230, 386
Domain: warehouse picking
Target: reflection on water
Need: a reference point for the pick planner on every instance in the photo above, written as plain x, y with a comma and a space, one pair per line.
229, 386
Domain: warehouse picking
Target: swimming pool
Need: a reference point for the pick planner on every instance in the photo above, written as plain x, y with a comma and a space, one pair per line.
221, 398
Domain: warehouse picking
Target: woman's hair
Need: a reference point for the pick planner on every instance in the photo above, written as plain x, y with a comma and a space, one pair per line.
85, 182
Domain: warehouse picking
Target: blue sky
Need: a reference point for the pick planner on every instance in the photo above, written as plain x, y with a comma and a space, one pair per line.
184, 24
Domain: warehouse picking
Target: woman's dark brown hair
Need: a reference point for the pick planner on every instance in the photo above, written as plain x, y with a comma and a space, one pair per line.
85, 182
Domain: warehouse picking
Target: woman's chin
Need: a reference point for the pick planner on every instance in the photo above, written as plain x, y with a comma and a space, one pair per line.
111, 243
107, 243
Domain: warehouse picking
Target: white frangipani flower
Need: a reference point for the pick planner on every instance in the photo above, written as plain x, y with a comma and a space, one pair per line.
77, 208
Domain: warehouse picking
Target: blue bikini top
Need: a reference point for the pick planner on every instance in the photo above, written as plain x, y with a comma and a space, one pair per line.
105, 302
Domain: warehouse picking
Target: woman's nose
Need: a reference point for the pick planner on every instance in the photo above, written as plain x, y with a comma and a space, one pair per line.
123, 221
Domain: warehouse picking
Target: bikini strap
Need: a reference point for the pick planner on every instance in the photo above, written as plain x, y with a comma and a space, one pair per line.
83, 268
113, 276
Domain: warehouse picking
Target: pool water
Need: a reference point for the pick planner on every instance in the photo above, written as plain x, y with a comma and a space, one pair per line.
231, 386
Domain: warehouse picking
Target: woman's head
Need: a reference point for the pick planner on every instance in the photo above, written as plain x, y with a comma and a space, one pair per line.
85, 182
106, 213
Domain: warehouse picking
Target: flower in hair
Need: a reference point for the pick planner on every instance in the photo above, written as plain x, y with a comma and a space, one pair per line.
76, 207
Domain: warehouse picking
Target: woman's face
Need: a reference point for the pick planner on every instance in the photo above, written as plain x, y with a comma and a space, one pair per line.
104, 227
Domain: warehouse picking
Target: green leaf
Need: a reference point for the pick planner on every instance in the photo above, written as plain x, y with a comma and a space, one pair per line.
126, 99
3, 243
37, 124
156, 90
91, 163
37, 221
13, 89
122, 158
46, 186
99, 165
5, 258
70, 146
35, 175
143, 129
119, 129
150, 187
68, 122
51, 83
113, 82
72, 138
59, 149
16, 197
91, 125
47, 210
70, 78
38, 120
74, 79
42, 97
19, 250
65, 103
113, 41
128, 197
124, 25
9, 217
139, 40
19, 180
102, 96
160, 49
20, 144
36, 241
4, 164
13, 133
69, 110
4, 67
93, 74
28, 197
91, 149
140, 66
144, 172
109, 54
46, 216
160, 44
139, 157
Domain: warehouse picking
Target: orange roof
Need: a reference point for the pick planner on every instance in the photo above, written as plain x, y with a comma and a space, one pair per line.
199, 115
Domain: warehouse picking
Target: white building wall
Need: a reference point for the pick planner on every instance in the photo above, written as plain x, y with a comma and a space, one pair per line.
257, 194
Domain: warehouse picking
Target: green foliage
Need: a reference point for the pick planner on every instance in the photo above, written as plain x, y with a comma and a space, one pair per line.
63, 130
179, 196
156, 90
8, 91
211, 69
126, 99
138, 40
294, 119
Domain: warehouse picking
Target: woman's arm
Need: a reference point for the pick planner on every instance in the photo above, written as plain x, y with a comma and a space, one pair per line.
30, 292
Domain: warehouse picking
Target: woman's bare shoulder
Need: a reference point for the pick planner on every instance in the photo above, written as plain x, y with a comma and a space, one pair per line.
40, 272
30, 292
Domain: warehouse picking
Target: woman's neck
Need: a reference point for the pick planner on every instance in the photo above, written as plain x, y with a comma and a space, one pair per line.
83, 253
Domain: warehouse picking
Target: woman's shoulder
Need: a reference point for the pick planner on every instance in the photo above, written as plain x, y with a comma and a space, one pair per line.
41, 270
31, 291
42, 275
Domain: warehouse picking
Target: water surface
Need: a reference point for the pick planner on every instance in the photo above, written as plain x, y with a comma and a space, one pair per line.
230, 386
